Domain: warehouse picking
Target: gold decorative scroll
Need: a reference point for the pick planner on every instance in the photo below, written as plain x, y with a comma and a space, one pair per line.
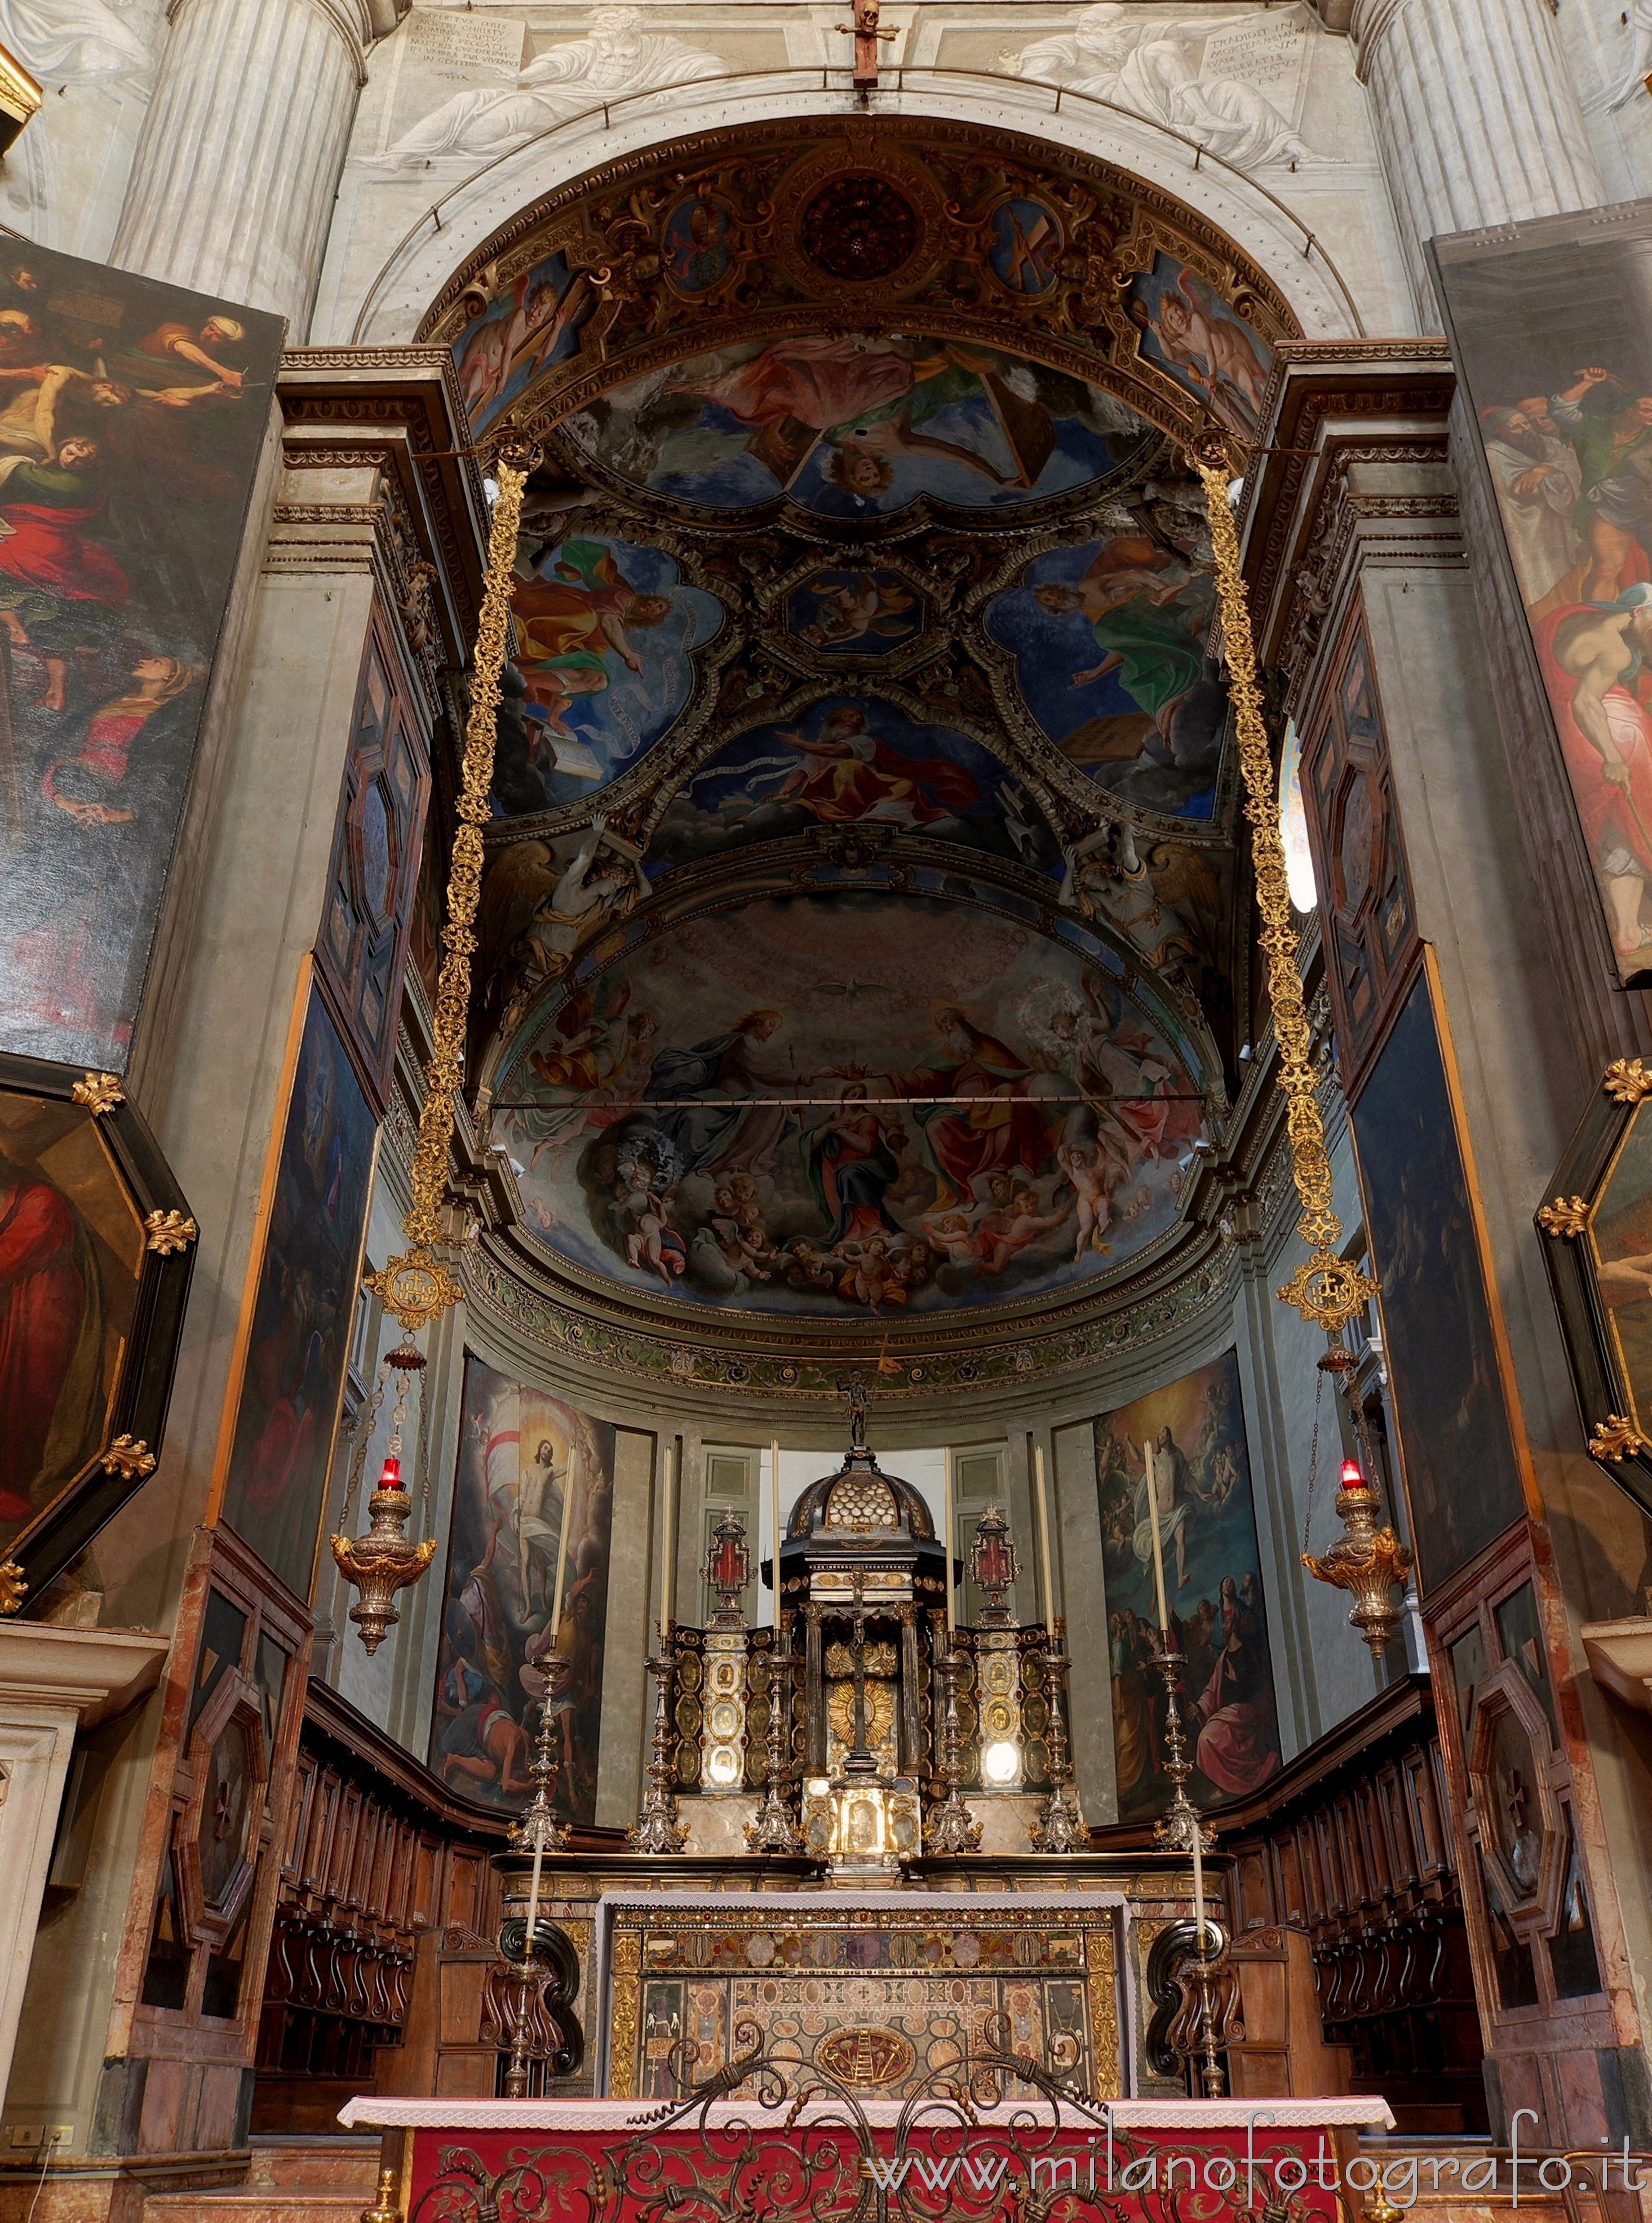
417, 1287
1325, 1287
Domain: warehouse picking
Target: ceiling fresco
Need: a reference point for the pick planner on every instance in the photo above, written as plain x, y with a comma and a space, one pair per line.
603, 635
852, 760
789, 1110
851, 425
861, 931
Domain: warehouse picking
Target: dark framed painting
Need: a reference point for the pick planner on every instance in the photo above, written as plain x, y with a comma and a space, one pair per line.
1183, 1448
1462, 1470
526, 1610
1597, 1231
97, 1246
297, 1339
1552, 333
132, 416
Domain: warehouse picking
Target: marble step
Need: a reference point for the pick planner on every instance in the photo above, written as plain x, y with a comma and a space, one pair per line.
342, 2164
268, 2203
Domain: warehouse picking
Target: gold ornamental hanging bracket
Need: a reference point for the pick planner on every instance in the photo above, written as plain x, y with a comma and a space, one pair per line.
1325, 1289
417, 1287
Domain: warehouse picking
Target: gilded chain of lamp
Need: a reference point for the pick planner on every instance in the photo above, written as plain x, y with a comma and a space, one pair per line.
1325, 1287
417, 1287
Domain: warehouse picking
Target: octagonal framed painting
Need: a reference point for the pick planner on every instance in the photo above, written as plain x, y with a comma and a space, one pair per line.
96, 1245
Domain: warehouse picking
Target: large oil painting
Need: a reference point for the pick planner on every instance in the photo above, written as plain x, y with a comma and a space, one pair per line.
1461, 1472
1551, 329
132, 419
72, 1254
847, 425
1110, 645
527, 1603
303, 1306
1183, 1448
850, 760
1620, 1244
848, 1102
603, 635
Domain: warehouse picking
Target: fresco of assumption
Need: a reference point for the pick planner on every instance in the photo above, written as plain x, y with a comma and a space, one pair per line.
848, 1102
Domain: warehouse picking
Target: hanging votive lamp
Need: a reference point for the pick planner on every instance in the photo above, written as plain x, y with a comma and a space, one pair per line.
1368, 1562
386, 1559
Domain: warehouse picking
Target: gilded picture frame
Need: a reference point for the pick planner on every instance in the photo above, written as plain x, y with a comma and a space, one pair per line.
93, 1323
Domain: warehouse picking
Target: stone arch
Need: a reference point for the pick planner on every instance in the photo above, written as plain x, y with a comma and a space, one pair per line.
391, 303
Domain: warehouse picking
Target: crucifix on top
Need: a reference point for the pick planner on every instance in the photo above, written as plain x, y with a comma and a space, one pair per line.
867, 38
857, 1397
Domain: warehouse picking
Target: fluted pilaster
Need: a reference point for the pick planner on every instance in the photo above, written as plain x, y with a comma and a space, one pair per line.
233, 181
1476, 114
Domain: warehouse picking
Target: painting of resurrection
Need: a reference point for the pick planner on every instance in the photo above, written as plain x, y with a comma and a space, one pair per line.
905, 1145
1186, 1443
1461, 1473
1551, 329
527, 1601
849, 426
303, 1310
132, 419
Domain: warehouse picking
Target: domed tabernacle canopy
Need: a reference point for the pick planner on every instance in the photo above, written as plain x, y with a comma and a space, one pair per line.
861, 1515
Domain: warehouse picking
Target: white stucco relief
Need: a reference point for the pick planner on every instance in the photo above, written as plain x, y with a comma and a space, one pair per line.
617, 58
70, 41
1111, 54
1637, 61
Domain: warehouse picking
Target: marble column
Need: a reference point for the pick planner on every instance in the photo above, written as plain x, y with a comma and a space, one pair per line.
52, 1682
1476, 118
233, 182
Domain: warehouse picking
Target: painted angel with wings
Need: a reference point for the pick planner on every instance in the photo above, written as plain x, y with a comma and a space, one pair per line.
536, 915
1207, 348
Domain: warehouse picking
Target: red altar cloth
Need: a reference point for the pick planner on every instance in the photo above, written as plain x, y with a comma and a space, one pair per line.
621, 2161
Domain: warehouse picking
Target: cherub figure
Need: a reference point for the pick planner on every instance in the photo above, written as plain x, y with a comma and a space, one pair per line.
652, 1241
1085, 1168
1004, 1233
951, 1233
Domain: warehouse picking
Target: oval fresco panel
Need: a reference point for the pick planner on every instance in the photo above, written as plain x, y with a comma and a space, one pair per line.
852, 760
1109, 646
849, 1104
602, 666
851, 426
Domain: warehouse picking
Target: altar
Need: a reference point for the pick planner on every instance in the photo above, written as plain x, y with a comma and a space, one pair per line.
818, 2155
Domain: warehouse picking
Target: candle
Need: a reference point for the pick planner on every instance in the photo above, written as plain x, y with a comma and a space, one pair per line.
1043, 1538
539, 1861
562, 1556
1149, 1460
774, 1484
946, 1507
1198, 1887
667, 1537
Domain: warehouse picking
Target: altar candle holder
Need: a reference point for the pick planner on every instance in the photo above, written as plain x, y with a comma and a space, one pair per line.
1181, 1829
538, 1827
773, 1830
1060, 1829
951, 1827
656, 1829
